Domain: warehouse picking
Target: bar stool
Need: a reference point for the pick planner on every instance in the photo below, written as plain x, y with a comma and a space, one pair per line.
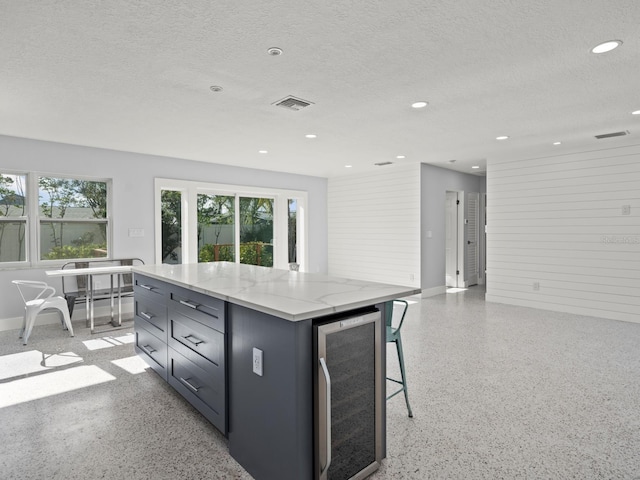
393, 335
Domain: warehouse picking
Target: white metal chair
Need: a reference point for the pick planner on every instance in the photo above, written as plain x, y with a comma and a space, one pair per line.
44, 299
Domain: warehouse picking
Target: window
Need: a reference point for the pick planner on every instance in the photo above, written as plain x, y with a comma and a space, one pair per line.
256, 231
44, 218
171, 205
212, 223
216, 228
13, 218
72, 218
292, 229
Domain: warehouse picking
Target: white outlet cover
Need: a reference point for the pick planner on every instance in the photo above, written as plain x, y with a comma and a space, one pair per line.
257, 361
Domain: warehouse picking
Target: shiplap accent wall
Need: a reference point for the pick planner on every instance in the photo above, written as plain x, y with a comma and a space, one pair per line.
559, 223
374, 225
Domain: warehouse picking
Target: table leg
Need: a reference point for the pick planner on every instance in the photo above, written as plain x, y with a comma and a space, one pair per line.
86, 300
91, 301
119, 300
111, 302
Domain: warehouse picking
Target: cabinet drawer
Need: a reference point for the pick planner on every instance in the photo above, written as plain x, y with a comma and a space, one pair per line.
201, 308
151, 349
154, 289
153, 314
188, 337
204, 388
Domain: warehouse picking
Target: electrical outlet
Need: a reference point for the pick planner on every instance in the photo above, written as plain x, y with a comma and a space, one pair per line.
257, 361
536, 286
626, 209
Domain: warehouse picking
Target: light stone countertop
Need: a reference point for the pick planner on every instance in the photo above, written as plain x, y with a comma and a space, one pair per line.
290, 295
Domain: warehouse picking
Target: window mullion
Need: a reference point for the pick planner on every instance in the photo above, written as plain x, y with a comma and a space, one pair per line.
236, 243
190, 226
34, 220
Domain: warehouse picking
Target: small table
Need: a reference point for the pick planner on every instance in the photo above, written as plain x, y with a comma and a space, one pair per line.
90, 272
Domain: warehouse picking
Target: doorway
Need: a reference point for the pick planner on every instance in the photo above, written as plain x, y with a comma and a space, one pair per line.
462, 230
451, 239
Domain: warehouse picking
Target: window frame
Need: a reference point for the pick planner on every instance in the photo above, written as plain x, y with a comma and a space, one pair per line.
22, 218
191, 189
38, 219
34, 220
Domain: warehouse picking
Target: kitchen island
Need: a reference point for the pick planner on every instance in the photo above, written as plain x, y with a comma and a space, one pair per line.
237, 341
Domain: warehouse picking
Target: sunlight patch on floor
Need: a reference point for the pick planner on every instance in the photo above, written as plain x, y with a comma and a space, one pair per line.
455, 290
108, 342
51, 383
133, 364
33, 361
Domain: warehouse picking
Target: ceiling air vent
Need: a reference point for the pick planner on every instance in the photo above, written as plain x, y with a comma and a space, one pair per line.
614, 134
382, 164
292, 103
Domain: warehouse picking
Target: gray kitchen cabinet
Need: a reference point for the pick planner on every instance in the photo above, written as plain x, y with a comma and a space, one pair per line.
181, 336
150, 322
197, 352
239, 345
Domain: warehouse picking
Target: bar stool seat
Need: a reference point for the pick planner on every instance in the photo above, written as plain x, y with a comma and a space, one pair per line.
393, 335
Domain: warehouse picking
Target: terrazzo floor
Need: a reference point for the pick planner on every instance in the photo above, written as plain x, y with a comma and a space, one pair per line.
498, 392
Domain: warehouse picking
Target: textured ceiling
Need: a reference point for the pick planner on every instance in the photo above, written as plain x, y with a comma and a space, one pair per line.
135, 76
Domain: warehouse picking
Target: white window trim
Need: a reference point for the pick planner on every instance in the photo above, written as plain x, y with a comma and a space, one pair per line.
190, 190
35, 214
33, 219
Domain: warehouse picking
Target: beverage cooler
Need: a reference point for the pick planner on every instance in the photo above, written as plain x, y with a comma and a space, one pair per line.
348, 397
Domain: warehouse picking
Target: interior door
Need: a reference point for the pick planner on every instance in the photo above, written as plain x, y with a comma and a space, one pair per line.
472, 237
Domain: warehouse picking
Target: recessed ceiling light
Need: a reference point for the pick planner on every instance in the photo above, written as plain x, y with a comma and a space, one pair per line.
215, 88
263, 151
311, 135
347, 166
637, 112
476, 166
502, 137
453, 160
419, 104
606, 46
274, 51
557, 143
400, 157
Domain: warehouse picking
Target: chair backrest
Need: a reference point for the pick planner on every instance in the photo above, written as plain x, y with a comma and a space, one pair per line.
38, 290
402, 305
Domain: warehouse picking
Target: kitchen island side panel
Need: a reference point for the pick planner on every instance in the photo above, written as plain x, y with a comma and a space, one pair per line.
271, 416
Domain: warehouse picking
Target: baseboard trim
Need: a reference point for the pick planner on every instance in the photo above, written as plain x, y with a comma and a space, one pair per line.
432, 292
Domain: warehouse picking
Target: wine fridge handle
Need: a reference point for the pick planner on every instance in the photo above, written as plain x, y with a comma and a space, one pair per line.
327, 380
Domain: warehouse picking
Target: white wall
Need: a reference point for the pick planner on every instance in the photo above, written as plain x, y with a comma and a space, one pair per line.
374, 225
435, 183
558, 221
133, 183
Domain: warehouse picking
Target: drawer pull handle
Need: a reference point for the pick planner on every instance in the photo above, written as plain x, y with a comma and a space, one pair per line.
195, 340
189, 385
147, 287
189, 304
146, 316
149, 350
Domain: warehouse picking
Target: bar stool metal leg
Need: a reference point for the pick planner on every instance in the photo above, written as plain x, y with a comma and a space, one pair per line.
403, 374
